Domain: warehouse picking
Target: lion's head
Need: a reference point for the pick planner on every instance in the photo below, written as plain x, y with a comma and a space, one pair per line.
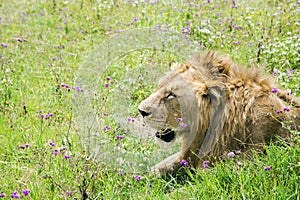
184, 103
165, 109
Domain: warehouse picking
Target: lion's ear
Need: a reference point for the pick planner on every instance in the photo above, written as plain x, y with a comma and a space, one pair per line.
216, 64
182, 67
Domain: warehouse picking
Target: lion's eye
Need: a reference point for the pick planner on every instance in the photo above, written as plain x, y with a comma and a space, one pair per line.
170, 96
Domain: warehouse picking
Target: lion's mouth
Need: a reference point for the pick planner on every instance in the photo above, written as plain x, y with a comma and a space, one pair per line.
166, 135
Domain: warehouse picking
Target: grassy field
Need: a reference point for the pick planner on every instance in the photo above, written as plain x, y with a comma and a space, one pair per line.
53, 53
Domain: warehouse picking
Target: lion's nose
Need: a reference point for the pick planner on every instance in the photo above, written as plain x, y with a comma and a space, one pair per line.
144, 113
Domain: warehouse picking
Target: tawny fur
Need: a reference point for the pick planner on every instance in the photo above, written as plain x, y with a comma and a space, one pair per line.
250, 117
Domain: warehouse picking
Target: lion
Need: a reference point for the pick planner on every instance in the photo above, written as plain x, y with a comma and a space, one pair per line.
213, 106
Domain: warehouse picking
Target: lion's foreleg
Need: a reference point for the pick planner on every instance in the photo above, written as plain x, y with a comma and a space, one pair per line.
168, 165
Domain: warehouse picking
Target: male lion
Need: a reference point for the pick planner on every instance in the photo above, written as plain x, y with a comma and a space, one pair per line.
212, 106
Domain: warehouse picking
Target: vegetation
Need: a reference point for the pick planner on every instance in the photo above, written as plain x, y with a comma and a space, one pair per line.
46, 47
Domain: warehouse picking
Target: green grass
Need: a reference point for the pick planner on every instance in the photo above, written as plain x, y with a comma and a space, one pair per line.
47, 43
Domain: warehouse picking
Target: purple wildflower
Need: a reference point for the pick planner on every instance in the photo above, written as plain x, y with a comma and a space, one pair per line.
138, 178
274, 90
130, 119
106, 84
2, 194
286, 109
186, 30
78, 89
67, 156
21, 147
179, 119
26, 145
268, 168
68, 192
14, 195
183, 125
19, 40
108, 78
120, 136
278, 111
26, 192
184, 163
4, 45
105, 114
291, 71
42, 116
106, 128
55, 152
135, 19
205, 164
52, 144
121, 173
231, 154
153, 2
63, 150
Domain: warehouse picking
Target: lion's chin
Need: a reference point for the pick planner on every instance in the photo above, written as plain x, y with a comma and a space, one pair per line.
167, 135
